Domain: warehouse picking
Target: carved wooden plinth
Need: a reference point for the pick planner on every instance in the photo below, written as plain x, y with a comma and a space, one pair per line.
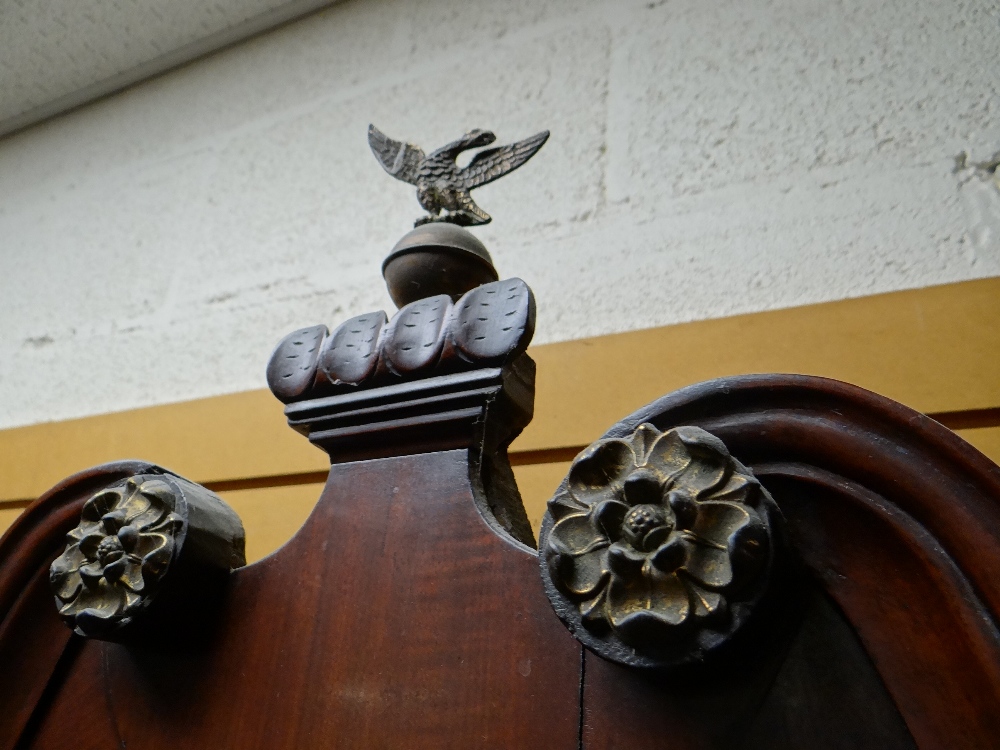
438, 375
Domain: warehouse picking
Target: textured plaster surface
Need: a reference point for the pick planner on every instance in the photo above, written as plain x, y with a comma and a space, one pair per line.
54, 55
706, 159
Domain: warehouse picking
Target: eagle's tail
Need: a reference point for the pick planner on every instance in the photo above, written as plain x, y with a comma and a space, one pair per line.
473, 213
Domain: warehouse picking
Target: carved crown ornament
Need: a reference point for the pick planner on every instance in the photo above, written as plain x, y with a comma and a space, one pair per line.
131, 537
657, 546
486, 327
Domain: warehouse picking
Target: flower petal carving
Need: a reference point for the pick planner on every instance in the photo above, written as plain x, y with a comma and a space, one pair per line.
118, 554
643, 441
131, 577
625, 561
67, 586
718, 521
100, 504
102, 600
653, 537
609, 516
706, 603
575, 535
587, 572
737, 489
710, 566
598, 473
672, 555
643, 603
667, 452
565, 504
90, 539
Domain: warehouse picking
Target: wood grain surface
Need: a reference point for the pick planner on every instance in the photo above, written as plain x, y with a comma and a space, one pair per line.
402, 616
395, 618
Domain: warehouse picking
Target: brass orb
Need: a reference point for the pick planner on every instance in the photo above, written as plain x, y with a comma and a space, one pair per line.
436, 258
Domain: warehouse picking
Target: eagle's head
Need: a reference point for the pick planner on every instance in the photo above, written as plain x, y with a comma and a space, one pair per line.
476, 138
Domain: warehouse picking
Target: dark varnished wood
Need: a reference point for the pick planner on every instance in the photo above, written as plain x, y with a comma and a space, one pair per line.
414, 338
405, 610
31, 644
292, 370
75, 691
896, 517
826, 693
350, 353
416, 416
394, 618
404, 614
802, 680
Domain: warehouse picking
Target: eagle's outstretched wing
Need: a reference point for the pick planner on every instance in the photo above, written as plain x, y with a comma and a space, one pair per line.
401, 160
494, 163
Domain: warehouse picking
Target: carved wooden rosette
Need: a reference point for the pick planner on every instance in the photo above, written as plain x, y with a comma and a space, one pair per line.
131, 537
657, 546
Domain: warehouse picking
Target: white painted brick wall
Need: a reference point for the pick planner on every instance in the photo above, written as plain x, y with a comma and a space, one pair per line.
707, 158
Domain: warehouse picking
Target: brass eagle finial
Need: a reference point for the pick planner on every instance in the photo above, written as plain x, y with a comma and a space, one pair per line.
441, 184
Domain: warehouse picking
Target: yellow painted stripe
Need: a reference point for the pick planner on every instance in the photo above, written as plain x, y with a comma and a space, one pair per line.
228, 437
272, 515
986, 439
935, 349
537, 483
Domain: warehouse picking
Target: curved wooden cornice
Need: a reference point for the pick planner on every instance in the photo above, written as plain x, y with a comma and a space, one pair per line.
41, 529
31, 640
897, 517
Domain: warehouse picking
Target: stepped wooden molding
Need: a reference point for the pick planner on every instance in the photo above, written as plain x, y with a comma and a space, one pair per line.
451, 405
